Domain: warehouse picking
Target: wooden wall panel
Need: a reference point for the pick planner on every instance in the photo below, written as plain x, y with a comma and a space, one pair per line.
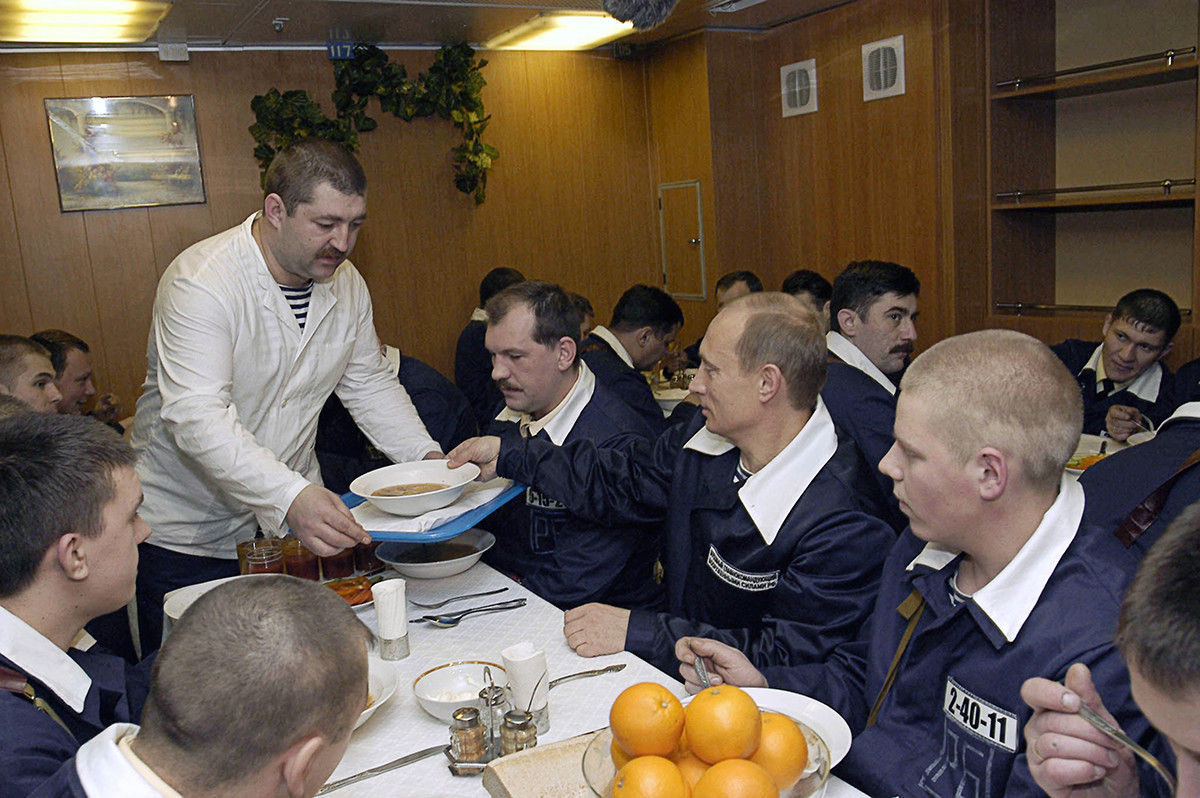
735, 106
681, 145
854, 180
14, 301
570, 199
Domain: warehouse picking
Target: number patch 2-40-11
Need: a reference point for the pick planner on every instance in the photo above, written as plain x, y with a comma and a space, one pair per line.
982, 719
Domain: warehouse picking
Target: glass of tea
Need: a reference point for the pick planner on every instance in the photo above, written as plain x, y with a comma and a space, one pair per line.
365, 560
336, 566
264, 557
299, 560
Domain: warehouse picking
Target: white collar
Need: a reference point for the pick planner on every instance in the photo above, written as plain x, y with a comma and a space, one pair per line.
559, 422
1011, 596
771, 493
105, 769
1144, 385
33, 653
479, 314
606, 335
1186, 410
851, 355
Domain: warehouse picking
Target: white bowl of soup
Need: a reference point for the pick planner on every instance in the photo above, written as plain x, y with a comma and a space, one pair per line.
435, 560
414, 488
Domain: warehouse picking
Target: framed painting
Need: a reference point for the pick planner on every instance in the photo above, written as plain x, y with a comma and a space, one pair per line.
125, 152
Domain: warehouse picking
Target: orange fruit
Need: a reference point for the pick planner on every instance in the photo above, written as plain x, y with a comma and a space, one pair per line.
782, 751
723, 722
646, 720
619, 757
692, 768
735, 778
649, 777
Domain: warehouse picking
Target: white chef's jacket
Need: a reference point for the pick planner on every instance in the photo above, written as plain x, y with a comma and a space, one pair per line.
228, 415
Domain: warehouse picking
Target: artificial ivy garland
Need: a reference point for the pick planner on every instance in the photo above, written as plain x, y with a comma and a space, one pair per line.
451, 89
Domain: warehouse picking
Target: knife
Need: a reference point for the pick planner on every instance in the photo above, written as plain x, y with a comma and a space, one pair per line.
395, 763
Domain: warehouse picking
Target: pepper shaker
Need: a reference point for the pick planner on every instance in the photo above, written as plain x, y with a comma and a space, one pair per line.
493, 704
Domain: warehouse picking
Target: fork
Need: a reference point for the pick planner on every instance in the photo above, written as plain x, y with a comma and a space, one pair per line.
437, 604
1094, 718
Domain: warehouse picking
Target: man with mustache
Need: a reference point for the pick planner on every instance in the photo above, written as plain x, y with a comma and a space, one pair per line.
872, 316
551, 395
1125, 387
252, 330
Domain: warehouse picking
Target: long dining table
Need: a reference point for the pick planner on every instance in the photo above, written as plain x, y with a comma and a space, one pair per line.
400, 726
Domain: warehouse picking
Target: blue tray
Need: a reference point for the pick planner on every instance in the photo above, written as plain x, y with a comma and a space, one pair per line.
451, 528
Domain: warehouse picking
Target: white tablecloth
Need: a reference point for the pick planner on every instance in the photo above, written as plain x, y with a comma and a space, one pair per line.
400, 726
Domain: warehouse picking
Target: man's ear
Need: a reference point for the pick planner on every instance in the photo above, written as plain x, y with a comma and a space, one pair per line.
296, 764
771, 382
274, 210
567, 353
1166, 350
644, 335
992, 473
68, 550
1107, 323
847, 321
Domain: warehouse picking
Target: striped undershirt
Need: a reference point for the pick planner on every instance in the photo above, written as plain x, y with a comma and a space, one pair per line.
298, 299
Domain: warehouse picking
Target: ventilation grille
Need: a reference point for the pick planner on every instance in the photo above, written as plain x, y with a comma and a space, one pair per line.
883, 68
798, 87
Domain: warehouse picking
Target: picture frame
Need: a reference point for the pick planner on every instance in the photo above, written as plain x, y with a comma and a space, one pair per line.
125, 152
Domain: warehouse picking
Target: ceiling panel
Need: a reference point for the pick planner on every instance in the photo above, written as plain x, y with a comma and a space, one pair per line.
249, 23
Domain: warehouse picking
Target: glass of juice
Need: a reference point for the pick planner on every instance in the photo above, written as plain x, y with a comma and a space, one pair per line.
336, 566
298, 559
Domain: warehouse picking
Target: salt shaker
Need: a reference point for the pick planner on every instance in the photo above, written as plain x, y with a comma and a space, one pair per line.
518, 732
466, 734
493, 703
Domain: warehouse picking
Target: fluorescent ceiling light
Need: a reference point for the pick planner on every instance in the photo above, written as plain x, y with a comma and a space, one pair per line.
561, 30
80, 21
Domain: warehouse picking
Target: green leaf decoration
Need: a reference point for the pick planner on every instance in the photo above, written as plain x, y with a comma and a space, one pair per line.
451, 89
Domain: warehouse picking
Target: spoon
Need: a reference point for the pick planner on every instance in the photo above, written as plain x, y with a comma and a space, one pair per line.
1097, 720
450, 619
438, 604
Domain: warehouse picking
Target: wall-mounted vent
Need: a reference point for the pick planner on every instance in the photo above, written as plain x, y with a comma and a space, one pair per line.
883, 68
798, 87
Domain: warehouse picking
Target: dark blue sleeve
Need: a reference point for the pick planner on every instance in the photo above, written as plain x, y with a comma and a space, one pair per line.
627, 486
63, 784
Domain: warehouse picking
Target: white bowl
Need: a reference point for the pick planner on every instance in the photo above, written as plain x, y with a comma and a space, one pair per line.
404, 556
447, 687
382, 682
455, 479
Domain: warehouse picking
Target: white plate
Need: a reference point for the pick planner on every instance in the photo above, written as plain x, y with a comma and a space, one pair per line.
381, 677
1090, 444
176, 602
817, 716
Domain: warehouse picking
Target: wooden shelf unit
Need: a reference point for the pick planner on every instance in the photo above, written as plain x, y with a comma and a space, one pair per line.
1022, 133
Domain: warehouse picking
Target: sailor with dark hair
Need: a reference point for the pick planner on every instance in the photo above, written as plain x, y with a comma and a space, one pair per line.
644, 324
872, 313
1124, 385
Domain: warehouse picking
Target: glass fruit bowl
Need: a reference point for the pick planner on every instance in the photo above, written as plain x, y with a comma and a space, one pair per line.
599, 770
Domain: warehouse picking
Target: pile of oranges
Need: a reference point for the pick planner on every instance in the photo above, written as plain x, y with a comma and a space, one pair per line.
720, 746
